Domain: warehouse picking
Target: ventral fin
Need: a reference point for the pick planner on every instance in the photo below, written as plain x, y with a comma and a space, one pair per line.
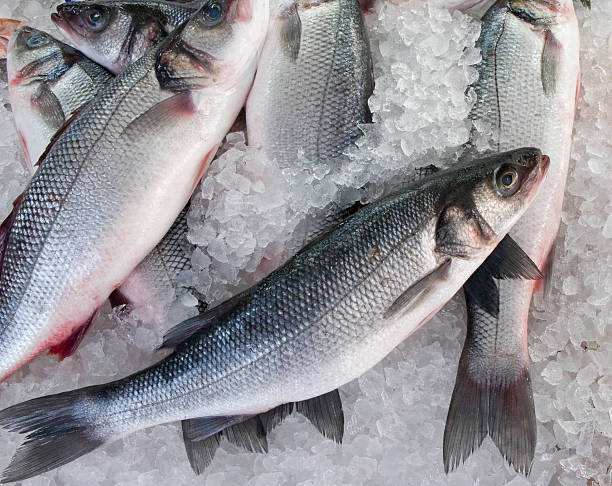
48, 106
249, 435
461, 231
418, 291
325, 413
550, 62
183, 331
199, 452
290, 30
69, 345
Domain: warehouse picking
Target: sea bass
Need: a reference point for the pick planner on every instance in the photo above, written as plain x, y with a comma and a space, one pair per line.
526, 92
48, 82
328, 315
313, 82
116, 178
115, 33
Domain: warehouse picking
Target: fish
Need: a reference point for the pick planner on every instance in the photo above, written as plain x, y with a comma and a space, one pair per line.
329, 314
115, 33
118, 175
527, 99
48, 82
311, 91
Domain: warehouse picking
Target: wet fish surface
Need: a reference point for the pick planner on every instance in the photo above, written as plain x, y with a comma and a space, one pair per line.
313, 82
526, 93
116, 178
332, 312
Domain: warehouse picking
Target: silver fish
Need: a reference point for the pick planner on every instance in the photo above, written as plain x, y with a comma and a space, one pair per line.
117, 33
48, 82
313, 82
117, 177
332, 312
526, 92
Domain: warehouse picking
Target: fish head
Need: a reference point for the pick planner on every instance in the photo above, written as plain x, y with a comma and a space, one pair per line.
485, 198
218, 44
541, 12
113, 34
34, 55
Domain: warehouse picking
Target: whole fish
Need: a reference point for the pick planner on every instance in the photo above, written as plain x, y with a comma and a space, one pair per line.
48, 82
328, 315
115, 33
313, 82
526, 92
117, 177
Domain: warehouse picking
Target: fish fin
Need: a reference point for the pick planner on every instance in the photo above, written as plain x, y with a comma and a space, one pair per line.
482, 289
291, 31
5, 227
493, 400
586, 3
249, 435
199, 452
48, 105
325, 413
202, 427
118, 298
183, 331
272, 418
509, 261
544, 288
69, 345
413, 295
58, 432
550, 62
461, 243
163, 114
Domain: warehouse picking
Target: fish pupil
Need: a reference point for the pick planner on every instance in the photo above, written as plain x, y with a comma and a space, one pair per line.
507, 179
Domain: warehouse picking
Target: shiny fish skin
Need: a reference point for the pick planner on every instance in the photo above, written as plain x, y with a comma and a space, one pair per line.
126, 31
62, 81
115, 180
315, 102
313, 325
48, 82
526, 91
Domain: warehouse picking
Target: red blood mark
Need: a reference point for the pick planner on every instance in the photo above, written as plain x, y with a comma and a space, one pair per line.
26, 152
68, 346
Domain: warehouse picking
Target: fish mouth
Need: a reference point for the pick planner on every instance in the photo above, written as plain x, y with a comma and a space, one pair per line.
68, 23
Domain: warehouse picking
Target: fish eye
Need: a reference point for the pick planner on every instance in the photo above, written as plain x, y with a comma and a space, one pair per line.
213, 12
507, 180
96, 18
36, 39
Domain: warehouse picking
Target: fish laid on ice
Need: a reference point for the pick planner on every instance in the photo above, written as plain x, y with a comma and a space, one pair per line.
328, 315
526, 93
116, 178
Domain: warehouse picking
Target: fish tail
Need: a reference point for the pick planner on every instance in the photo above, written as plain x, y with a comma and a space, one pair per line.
492, 396
58, 428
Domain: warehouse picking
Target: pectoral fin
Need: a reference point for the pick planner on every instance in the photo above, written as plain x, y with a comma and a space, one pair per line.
551, 62
290, 31
419, 291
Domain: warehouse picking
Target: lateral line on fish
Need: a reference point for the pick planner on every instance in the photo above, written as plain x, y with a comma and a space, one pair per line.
68, 192
501, 32
392, 250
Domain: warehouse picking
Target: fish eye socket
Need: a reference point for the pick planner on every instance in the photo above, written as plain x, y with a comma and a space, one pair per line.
36, 39
213, 11
96, 18
507, 181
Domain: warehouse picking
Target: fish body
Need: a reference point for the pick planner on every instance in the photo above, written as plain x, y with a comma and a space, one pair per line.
48, 82
313, 82
328, 315
526, 93
117, 33
117, 177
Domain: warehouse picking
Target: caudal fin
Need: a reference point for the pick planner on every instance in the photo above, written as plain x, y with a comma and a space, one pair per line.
58, 430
